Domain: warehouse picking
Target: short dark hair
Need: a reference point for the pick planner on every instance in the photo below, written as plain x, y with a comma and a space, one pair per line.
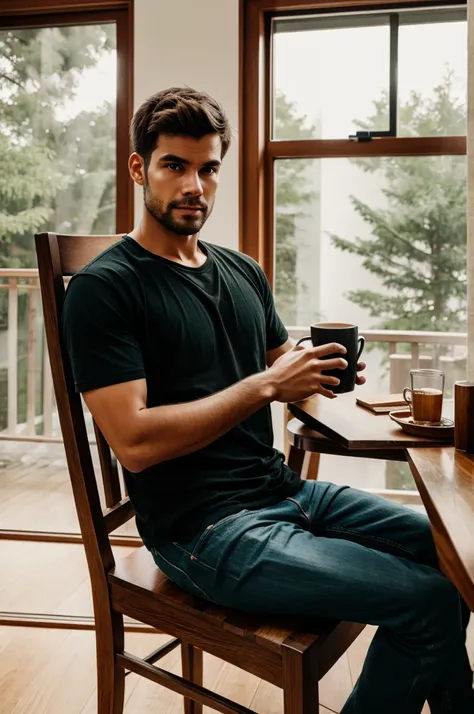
175, 111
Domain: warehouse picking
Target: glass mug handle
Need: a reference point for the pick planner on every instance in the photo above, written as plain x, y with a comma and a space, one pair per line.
303, 339
406, 391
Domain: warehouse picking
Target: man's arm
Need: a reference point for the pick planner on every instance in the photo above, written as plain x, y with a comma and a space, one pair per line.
141, 437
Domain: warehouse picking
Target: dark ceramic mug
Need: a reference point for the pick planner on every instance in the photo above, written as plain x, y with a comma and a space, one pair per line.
323, 333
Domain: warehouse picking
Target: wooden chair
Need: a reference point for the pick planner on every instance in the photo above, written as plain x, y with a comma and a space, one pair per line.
291, 654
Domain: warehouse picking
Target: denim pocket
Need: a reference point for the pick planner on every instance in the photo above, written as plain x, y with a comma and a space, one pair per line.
213, 528
177, 575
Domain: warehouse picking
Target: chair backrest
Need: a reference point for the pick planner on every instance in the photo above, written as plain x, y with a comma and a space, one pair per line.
60, 256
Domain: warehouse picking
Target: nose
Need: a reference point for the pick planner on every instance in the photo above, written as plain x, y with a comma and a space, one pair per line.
192, 185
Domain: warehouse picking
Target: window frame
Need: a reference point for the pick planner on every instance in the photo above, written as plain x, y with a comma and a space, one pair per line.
259, 151
18, 14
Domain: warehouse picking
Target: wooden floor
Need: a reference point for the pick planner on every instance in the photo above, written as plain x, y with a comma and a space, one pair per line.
53, 671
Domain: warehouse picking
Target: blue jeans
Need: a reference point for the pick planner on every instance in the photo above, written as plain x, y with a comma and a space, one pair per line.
333, 551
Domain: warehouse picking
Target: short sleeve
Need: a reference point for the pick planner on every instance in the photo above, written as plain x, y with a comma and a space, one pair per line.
277, 334
100, 334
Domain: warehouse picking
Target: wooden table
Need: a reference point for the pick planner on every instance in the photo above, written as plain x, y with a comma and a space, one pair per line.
445, 480
444, 476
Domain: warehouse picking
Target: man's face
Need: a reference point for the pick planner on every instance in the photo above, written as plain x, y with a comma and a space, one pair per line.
181, 181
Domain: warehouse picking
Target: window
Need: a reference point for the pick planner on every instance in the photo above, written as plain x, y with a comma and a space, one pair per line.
65, 107
63, 157
354, 185
395, 58
354, 165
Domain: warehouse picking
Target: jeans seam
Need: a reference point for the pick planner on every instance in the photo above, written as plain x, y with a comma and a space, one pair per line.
298, 504
369, 536
180, 547
211, 528
204, 565
160, 555
193, 557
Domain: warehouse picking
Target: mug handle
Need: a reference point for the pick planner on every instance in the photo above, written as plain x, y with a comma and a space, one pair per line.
361, 341
406, 391
303, 339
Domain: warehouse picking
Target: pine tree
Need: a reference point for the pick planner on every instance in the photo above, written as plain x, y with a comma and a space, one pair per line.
55, 173
418, 243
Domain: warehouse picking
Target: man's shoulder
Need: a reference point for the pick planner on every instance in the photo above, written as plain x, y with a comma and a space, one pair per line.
109, 275
114, 262
113, 258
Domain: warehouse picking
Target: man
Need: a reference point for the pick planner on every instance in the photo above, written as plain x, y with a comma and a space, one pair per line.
178, 350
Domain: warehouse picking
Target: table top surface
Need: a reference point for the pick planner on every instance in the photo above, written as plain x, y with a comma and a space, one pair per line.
352, 426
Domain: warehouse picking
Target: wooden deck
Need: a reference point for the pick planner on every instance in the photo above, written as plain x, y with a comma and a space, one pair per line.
52, 671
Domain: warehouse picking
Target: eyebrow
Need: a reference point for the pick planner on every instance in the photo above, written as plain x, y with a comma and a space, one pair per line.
172, 158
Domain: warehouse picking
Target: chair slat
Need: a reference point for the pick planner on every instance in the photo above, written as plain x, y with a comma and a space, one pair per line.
272, 637
108, 467
243, 624
118, 515
181, 686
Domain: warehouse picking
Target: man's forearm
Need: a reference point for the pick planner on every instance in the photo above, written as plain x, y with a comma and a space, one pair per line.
173, 430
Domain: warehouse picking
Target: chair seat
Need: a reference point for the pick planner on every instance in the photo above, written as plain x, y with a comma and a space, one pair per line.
136, 582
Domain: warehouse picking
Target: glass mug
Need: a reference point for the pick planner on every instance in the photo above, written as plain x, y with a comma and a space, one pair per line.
425, 396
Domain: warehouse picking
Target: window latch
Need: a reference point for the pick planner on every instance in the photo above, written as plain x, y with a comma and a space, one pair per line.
361, 136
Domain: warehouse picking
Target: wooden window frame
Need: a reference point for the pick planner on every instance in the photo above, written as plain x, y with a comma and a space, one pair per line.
258, 151
41, 13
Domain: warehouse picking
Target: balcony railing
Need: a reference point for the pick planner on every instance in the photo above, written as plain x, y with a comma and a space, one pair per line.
27, 408
27, 405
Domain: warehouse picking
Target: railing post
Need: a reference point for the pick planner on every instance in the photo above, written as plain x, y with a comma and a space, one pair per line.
31, 359
47, 393
392, 350
12, 355
415, 355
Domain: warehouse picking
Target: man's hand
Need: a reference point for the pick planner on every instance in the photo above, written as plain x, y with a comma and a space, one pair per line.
360, 368
273, 355
298, 373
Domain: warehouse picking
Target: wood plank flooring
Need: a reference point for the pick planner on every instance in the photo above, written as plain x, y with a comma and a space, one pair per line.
47, 671
53, 672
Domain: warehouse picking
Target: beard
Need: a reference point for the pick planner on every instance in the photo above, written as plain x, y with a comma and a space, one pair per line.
184, 225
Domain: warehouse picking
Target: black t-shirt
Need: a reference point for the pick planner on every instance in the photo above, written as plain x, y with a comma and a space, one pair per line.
190, 332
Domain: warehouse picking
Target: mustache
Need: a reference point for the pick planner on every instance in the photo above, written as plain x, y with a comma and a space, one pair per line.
189, 204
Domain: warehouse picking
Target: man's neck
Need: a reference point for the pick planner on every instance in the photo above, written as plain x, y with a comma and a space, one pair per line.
157, 239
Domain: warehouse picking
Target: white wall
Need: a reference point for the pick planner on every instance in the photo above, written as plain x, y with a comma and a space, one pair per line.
194, 43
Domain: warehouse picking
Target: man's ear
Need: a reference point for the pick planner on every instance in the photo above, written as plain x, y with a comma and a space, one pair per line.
136, 166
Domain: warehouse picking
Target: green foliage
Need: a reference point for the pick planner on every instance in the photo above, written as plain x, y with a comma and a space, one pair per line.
57, 171
57, 166
291, 197
417, 246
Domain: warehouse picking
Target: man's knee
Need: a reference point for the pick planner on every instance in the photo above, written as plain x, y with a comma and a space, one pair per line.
437, 604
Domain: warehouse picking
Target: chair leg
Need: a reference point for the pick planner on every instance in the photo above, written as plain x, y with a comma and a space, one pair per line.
300, 682
304, 463
110, 677
191, 660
